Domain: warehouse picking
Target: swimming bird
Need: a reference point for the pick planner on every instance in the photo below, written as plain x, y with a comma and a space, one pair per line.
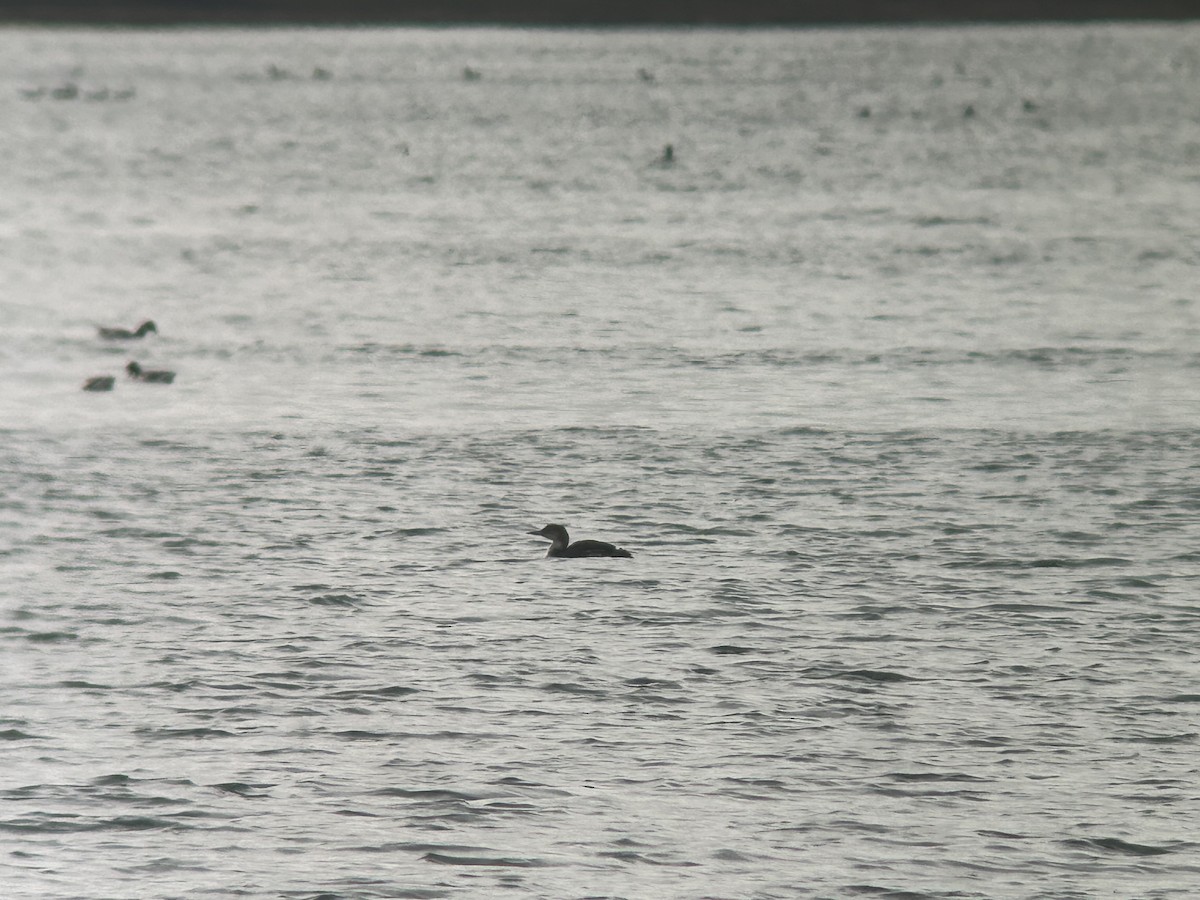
124, 334
154, 376
99, 383
560, 545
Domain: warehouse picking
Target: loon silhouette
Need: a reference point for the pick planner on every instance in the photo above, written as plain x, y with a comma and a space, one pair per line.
124, 334
155, 376
560, 545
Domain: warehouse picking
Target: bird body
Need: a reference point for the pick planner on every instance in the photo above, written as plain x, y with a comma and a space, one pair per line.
124, 334
153, 376
99, 383
561, 546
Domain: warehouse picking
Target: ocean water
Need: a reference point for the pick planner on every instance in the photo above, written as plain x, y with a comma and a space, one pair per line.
890, 381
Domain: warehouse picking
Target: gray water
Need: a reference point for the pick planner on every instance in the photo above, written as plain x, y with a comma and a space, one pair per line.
889, 381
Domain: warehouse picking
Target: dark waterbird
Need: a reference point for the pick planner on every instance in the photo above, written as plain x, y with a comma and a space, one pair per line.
124, 334
560, 545
153, 376
99, 383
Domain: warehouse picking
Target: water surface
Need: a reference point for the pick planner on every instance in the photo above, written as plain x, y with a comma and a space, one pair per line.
889, 381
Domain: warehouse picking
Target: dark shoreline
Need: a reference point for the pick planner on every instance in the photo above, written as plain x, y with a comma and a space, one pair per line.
583, 13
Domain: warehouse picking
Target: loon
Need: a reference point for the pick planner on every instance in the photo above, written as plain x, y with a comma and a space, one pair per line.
155, 376
124, 334
560, 545
99, 383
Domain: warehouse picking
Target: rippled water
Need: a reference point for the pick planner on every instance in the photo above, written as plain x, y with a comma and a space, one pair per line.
890, 382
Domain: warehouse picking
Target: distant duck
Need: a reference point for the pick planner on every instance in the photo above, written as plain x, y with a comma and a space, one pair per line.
470, 74
560, 545
68, 91
124, 334
99, 383
668, 155
153, 376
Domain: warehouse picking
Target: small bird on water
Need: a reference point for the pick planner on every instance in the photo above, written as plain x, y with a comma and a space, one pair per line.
154, 376
560, 545
124, 334
99, 383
